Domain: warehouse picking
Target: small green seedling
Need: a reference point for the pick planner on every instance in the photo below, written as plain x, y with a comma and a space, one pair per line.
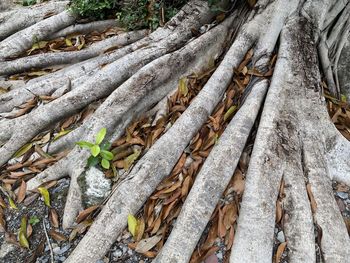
33, 220
99, 151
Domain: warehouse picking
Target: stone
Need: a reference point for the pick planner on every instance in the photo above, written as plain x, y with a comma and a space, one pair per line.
5, 249
280, 237
94, 186
343, 195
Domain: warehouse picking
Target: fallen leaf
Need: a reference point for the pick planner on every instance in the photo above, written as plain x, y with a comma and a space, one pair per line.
85, 213
147, 244
132, 224
23, 150
22, 192
53, 216
45, 194
57, 236
311, 198
280, 251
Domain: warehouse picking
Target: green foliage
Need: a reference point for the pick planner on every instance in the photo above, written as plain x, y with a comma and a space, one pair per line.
93, 8
28, 2
132, 14
99, 150
33, 220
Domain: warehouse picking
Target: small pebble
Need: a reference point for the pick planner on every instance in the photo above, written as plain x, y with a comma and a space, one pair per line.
56, 250
343, 195
117, 254
280, 237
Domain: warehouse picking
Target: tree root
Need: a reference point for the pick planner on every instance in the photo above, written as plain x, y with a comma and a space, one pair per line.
292, 125
16, 20
157, 162
24, 39
212, 181
70, 103
121, 111
98, 26
52, 59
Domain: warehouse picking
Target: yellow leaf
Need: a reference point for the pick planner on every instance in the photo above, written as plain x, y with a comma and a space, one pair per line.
3, 90
23, 240
61, 134
68, 42
132, 224
46, 195
23, 150
12, 203
183, 87
37, 45
128, 161
230, 112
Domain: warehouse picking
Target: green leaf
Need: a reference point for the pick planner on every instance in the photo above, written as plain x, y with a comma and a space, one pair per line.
34, 220
132, 224
23, 241
12, 203
23, 150
93, 161
106, 146
183, 87
95, 150
101, 135
105, 164
84, 144
46, 195
107, 155
230, 112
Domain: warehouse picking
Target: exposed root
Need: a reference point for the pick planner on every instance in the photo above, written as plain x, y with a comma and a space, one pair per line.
16, 20
52, 59
105, 79
121, 110
157, 162
212, 181
293, 126
24, 39
98, 26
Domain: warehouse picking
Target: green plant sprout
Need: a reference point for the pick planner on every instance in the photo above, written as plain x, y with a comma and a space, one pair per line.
99, 150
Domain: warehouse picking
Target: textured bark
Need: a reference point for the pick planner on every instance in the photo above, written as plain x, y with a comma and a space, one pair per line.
294, 122
20, 18
98, 26
72, 57
157, 162
211, 181
105, 78
24, 39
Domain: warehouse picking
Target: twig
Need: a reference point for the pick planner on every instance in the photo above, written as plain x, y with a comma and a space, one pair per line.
48, 241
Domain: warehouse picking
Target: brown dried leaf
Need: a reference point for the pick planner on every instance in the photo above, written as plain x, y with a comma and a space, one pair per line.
57, 236
280, 251
311, 198
29, 230
147, 244
85, 213
22, 192
221, 226
54, 219
238, 182
279, 211
156, 225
